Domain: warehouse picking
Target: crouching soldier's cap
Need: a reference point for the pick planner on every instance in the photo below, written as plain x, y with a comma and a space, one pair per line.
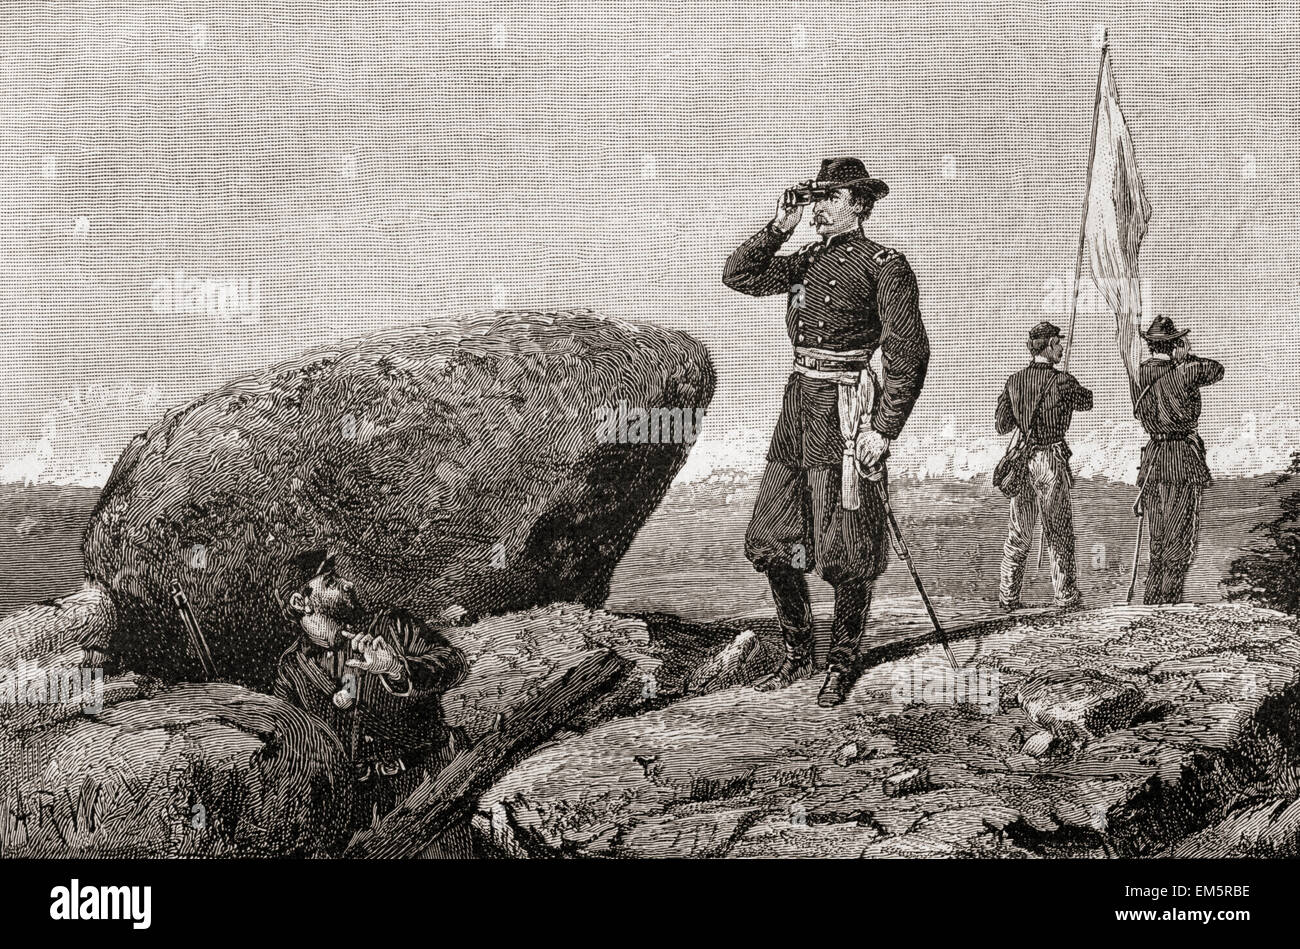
1044, 330
1162, 330
313, 563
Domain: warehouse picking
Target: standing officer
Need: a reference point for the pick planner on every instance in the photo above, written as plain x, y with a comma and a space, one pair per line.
847, 295
1041, 400
1173, 473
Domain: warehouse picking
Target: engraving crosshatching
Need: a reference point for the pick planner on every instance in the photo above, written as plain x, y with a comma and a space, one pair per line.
492, 431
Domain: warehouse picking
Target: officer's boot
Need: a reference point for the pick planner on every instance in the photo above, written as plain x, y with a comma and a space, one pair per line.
852, 603
794, 613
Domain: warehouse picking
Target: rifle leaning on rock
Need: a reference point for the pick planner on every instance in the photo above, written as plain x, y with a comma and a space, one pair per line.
198, 644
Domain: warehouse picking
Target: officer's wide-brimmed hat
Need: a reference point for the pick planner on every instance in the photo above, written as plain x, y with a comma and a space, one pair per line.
313, 563
1045, 330
1162, 330
849, 173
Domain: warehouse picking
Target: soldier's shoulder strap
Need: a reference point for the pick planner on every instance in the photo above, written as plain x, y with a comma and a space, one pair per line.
877, 253
289, 651
1052, 382
882, 257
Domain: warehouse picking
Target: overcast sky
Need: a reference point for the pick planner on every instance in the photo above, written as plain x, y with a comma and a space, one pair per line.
372, 168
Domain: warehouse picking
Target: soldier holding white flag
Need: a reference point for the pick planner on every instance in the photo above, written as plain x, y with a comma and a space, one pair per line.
1040, 401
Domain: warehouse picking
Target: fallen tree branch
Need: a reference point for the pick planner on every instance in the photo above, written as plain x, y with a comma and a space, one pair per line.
439, 805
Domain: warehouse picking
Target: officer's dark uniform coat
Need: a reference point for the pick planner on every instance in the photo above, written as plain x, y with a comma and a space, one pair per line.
845, 293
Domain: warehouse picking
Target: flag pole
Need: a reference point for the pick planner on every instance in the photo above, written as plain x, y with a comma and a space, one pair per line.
1083, 228
1087, 196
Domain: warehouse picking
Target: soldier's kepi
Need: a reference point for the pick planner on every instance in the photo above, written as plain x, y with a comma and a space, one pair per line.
846, 296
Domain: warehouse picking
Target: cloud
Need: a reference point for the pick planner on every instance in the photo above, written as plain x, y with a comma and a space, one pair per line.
71, 446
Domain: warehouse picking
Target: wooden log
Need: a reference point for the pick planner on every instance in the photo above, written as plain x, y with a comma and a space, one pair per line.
439, 805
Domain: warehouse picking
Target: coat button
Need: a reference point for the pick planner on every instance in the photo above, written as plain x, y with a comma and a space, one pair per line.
820, 324
826, 299
833, 283
843, 260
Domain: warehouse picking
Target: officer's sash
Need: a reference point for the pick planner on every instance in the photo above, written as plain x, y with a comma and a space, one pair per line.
856, 390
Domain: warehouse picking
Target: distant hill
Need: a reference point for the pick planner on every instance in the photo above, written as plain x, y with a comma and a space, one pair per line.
689, 557
40, 540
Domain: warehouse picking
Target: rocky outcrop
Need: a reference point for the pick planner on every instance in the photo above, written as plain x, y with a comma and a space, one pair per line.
746, 658
198, 770
1177, 719
123, 766
1255, 828
57, 631
1076, 706
490, 463
515, 656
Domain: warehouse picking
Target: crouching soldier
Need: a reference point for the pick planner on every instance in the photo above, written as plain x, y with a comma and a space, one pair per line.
1040, 400
377, 682
1173, 472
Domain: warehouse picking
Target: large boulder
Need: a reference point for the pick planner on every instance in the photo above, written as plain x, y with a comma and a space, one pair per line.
204, 769
57, 631
454, 466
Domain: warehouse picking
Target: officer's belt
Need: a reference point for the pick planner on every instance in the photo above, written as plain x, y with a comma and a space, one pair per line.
1173, 437
827, 364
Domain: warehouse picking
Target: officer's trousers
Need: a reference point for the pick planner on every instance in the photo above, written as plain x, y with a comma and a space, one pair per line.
798, 525
1173, 513
798, 521
1047, 493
